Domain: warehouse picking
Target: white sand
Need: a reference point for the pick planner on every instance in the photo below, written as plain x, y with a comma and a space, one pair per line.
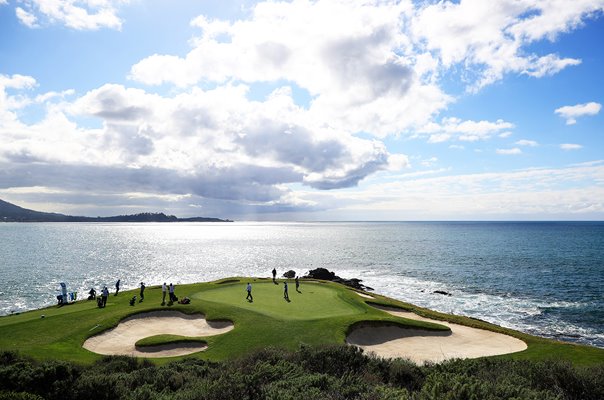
364, 295
121, 339
423, 346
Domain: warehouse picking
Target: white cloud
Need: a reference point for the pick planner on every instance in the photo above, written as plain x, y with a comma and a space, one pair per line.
373, 66
429, 162
439, 137
468, 131
370, 67
356, 66
26, 18
573, 192
17, 81
570, 146
75, 14
398, 162
216, 145
508, 152
571, 113
490, 37
529, 143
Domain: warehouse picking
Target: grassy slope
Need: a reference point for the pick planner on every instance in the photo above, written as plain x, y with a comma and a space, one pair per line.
321, 314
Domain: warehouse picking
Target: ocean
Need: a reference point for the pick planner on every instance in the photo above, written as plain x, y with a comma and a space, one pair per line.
543, 278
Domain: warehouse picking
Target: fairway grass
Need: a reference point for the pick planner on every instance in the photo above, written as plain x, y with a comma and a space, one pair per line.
323, 313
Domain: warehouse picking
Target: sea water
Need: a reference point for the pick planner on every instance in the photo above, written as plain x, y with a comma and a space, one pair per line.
543, 278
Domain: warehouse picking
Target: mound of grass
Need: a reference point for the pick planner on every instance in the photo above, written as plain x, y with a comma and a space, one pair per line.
320, 314
162, 340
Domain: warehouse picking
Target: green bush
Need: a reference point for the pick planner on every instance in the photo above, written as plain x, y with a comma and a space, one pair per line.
338, 372
19, 396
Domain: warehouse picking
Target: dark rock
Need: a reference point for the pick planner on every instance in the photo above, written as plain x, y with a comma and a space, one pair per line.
321, 273
442, 292
324, 274
290, 274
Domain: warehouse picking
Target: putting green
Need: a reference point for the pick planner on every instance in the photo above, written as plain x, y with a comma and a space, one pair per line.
314, 301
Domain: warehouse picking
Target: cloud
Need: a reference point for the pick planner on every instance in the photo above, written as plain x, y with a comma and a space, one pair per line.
509, 152
529, 143
468, 131
571, 113
368, 68
352, 62
26, 18
570, 146
490, 38
216, 145
75, 14
398, 162
17, 81
569, 192
373, 66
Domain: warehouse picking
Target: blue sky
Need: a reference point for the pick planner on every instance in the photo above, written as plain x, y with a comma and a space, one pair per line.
304, 110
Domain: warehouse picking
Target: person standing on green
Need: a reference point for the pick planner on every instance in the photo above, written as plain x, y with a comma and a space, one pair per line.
297, 285
285, 294
249, 292
164, 289
117, 287
104, 295
142, 292
274, 275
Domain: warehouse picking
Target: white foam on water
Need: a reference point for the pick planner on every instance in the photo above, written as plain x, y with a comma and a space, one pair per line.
503, 310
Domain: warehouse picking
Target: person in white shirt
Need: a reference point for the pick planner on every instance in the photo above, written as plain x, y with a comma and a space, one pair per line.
164, 289
172, 295
104, 295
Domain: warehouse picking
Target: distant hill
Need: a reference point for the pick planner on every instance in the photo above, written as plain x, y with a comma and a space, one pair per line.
12, 213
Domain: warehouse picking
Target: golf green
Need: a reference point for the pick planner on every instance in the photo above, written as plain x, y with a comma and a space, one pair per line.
314, 300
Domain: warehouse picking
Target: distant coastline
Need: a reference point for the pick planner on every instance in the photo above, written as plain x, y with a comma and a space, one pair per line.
12, 213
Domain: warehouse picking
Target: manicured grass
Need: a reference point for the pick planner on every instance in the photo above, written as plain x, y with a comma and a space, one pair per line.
313, 301
321, 314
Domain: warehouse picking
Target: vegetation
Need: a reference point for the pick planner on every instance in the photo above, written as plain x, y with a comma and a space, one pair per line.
331, 372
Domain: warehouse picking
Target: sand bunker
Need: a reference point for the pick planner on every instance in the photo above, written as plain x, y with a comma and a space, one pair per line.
423, 346
364, 295
121, 339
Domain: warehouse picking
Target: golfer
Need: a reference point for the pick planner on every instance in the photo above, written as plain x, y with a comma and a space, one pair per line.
285, 294
249, 292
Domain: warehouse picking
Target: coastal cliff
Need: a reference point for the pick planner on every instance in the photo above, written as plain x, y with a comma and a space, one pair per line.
12, 213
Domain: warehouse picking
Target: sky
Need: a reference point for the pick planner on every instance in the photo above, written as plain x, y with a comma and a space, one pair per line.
304, 110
